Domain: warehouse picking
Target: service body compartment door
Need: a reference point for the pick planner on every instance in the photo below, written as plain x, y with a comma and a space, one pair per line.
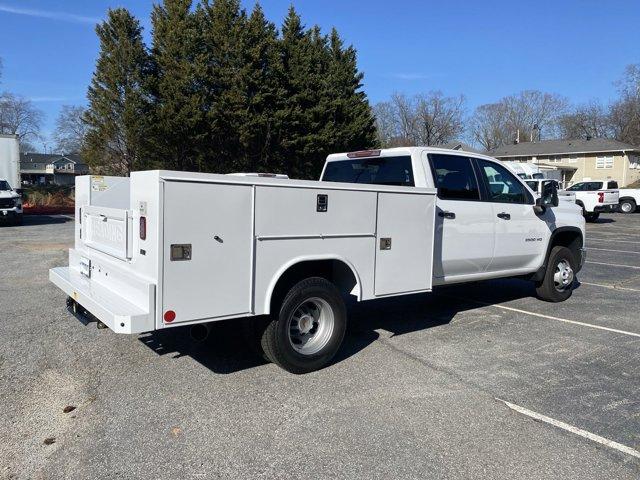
404, 243
208, 230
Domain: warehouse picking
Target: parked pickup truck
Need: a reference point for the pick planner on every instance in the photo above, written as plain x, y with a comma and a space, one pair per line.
10, 203
594, 197
629, 200
281, 255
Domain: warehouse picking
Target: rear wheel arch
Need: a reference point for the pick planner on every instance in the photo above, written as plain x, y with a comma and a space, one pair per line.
336, 270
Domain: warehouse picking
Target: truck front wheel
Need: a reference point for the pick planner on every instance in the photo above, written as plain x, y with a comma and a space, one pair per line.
308, 329
591, 216
557, 284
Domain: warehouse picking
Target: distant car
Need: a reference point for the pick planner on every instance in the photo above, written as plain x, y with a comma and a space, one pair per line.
594, 197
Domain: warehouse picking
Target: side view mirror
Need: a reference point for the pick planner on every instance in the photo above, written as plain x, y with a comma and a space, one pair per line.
548, 196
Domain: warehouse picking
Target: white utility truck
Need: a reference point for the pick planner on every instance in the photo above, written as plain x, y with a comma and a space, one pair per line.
594, 197
10, 192
281, 255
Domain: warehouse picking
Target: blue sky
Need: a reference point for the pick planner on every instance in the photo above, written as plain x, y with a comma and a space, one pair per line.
482, 49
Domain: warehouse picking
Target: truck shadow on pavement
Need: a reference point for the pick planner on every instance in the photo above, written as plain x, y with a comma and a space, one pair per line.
35, 220
225, 350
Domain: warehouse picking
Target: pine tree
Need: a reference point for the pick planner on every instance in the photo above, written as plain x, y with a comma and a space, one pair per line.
222, 26
301, 95
351, 124
261, 79
117, 131
179, 128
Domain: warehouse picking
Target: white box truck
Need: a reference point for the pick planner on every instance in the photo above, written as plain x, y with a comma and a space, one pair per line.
10, 192
162, 249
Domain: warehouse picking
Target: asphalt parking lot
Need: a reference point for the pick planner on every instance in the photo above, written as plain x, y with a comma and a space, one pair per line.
475, 381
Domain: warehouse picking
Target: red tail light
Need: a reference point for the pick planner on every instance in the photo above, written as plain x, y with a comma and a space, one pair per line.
600, 197
169, 316
143, 228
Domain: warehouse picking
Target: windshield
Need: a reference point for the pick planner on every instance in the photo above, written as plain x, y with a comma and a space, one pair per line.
4, 185
377, 171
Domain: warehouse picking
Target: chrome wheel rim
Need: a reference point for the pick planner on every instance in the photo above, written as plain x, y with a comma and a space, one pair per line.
626, 207
310, 326
563, 277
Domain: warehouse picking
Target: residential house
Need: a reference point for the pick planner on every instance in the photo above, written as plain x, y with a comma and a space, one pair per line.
579, 159
46, 169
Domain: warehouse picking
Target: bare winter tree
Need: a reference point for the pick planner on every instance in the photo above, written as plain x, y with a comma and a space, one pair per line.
438, 119
71, 129
527, 115
624, 114
427, 119
488, 126
385, 122
18, 116
590, 120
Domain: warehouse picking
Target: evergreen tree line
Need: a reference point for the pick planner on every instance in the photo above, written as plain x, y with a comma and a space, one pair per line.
221, 90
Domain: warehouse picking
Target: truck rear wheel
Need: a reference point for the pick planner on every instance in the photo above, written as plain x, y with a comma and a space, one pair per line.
308, 329
591, 216
627, 205
557, 284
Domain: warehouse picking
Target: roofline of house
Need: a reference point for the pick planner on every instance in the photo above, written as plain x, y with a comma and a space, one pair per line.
623, 150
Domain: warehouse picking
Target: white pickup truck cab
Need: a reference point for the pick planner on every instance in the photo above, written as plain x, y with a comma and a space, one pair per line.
281, 255
10, 203
594, 197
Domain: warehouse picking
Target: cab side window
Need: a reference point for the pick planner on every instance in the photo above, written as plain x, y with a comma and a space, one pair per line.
502, 185
454, 176
578, 187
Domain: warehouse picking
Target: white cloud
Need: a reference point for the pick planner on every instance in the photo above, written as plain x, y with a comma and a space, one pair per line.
410, 76
61, 16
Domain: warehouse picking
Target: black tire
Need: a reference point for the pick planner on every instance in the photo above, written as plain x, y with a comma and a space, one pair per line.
278, 337
547, 289
628, 205
591, 216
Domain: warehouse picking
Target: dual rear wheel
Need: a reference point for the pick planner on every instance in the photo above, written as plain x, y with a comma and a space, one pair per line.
306, 332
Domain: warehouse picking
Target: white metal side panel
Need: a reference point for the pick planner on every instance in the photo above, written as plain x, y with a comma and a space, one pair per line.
290, 211
408, 221
217, 222
274, 256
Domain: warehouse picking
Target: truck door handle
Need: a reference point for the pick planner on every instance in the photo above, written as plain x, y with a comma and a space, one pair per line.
504, 216
445, 214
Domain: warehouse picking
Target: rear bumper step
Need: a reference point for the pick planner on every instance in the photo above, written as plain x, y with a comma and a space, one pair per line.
117, 313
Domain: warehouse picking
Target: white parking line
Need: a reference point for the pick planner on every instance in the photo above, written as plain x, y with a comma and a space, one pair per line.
606, 240
613, 287
614, 265
570, 428
548, 317
608, 250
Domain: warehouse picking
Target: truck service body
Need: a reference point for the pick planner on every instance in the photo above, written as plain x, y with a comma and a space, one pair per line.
162, 249
10, 198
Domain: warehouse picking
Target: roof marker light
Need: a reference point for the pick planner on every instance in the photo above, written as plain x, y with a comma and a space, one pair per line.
364, 153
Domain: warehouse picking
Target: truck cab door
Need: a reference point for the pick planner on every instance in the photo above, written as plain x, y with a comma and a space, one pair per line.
521, 235
464, 233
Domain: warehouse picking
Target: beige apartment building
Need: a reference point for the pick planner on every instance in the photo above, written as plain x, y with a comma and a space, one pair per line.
579, 160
